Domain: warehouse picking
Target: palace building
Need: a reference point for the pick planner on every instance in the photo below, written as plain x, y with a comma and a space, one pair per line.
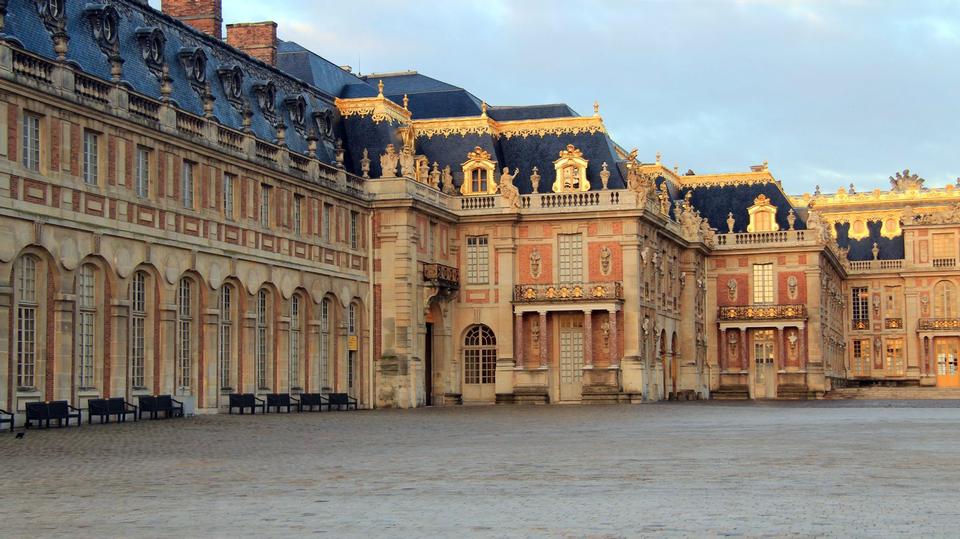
196, 215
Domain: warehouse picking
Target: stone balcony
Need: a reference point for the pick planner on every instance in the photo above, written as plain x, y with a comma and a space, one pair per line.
938, 324
441, 276
750, 313
568, 292
780, 238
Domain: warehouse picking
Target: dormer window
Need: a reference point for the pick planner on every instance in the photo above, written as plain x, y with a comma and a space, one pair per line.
105, 22
297, 111
763, 215
231, 79
266, 98
152, 43
478, 173
194, 62
571, 171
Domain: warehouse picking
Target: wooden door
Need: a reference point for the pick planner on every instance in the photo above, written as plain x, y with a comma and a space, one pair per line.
570, 353
764, 365
946, 349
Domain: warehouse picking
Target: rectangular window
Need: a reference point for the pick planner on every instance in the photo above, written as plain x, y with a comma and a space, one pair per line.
478, 259
184, 335
91, 160
85, 326
187, 186
860, 305
225, 336
261, 340
294, 361
354, 230
297, 214
138, 319
31, 141
26, 294
324, 342
763, 284
571, 258
327, 222
265, 205
228, 180
143, 172
894, 357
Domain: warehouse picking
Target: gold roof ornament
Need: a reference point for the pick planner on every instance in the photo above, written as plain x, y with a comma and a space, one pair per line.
380, 89
761, 200
478, 154
483, 109
571, 171
596, 108
406, 102
906, 181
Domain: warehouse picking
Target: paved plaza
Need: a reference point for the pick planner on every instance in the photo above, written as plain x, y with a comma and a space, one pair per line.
784, 469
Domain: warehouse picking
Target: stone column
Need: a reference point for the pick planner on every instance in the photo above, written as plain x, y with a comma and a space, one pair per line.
722, 349
518, 339
614, 339
744, 356
588, 337
802, 348
781, 360
544, 359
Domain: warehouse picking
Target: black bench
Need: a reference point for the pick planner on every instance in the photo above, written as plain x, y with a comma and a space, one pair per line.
244, 401
6, 417
155, 404
115, 406
281, 400
44, 412
341, 400
311, 400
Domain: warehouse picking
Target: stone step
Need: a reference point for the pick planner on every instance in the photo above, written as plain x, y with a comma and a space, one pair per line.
893, 393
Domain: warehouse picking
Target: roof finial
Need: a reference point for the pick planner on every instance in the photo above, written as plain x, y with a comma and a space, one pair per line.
596, 108
380, 89
658, 158
406, 102
766, 165
483, 109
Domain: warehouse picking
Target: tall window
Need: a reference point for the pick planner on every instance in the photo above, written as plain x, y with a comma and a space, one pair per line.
188, 185
224, 334
763, 284
261, 339
861, 360
31, 141
228, 180
265, 205
143, 172
184, 352
571, 258
352, 352
944, 246
138, 322
894, 356
478, 180
860, 304
295, 334
478, 260
27, 305
354, 230
86, 325
91, 143
327, 221
944, 298
479, 355
297, 214
324, 342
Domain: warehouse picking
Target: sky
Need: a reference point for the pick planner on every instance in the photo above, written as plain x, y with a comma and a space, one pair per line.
829, 92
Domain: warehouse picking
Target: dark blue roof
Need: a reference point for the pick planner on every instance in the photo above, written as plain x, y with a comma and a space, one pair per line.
313, 69
429, 97
862, 249
531, 112
715, 202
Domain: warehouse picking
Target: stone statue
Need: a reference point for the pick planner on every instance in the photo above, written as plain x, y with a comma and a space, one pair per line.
604, 176
791, 218
606, 260
509, 191
605, 330
407, 163
423, 171
365, 164
876, 251
388, 162
730, 222
447, 177
435, 176
664, 199
535, 264
535, 333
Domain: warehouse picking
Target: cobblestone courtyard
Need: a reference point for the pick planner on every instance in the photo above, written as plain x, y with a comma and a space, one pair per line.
863, 469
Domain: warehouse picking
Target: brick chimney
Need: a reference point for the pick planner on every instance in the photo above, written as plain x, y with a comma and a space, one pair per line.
204, 15
258, 39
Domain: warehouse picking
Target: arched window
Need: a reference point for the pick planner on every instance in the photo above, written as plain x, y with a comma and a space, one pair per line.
184, 346
27, 300
263, 328
944, 298
352, 346
225, 334
479, 355
293, 363
86, 325
325, 353
138, 333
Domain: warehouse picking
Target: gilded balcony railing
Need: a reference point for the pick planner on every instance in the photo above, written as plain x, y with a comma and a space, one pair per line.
938, 324
530, 293
893, 323
441, 275
763, 312
860, 323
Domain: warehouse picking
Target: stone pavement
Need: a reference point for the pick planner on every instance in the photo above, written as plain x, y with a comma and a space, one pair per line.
685, 469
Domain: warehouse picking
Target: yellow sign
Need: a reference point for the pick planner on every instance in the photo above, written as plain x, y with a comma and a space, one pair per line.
351, 342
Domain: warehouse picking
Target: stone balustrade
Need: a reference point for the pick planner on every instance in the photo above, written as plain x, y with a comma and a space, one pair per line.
748, 313
530, 293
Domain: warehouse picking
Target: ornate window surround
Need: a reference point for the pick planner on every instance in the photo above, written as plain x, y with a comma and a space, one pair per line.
571, 171
479, 161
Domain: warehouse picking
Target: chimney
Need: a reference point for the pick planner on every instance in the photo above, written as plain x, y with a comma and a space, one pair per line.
258, 39
204, 15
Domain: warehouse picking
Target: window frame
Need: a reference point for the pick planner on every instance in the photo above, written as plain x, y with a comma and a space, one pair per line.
142, 171
138, 327
188, 182
91, 157
478, 259
763, 287
30, 141
228, 203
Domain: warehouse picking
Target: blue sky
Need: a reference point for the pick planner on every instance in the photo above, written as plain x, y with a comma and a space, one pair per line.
829, 92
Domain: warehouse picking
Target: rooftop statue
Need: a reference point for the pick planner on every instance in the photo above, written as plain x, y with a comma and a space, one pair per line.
509, 191
904, 181
388, 162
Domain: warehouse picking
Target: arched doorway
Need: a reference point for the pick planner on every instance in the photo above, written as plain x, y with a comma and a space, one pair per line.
479, 364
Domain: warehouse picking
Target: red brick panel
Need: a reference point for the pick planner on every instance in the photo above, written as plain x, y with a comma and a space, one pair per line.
783, 287
723, 290
546, 264
616, 261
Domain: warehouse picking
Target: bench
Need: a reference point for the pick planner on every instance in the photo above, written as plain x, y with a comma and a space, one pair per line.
311, 400
44, 412
115, 406
342, 401
155, 404
281, 400
244, 401
6, 417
